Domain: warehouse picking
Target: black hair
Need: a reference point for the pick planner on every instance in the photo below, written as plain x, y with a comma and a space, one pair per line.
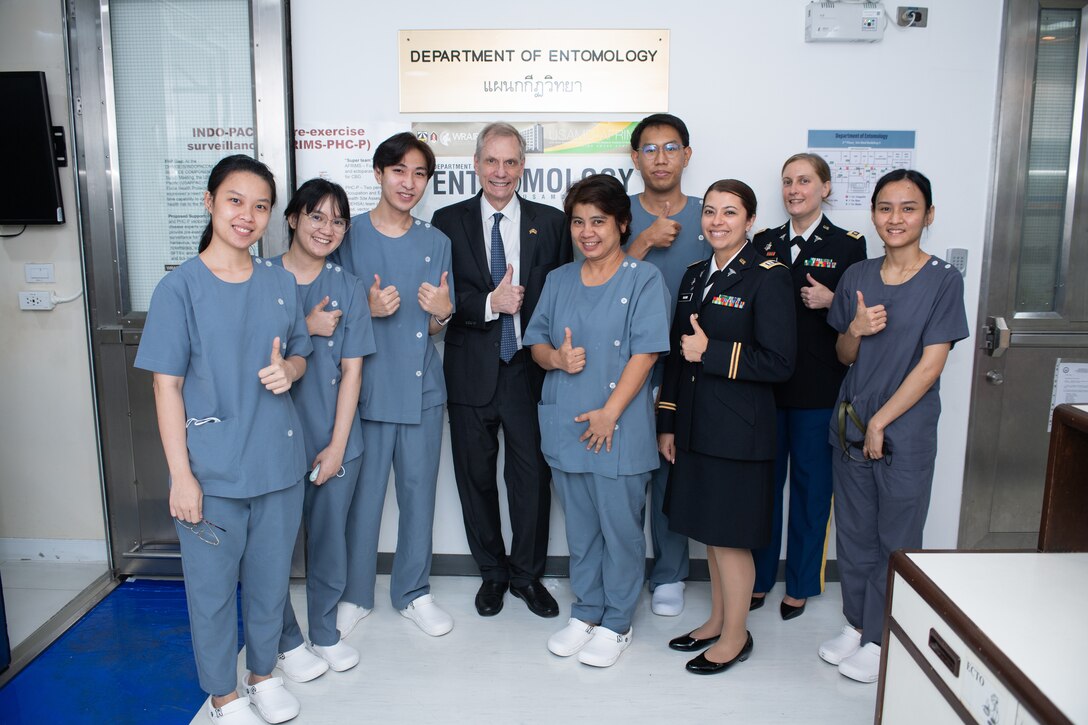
607, 194
915, 177
310, 195
392, 151
226, 167
660, 119
737, 188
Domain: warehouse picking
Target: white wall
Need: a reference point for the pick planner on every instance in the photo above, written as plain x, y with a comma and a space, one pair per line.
749, 88
49, 480
742, 78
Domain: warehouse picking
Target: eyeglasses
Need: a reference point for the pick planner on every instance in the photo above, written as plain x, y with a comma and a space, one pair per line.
671, 149
205, 530
318, 219
860, 445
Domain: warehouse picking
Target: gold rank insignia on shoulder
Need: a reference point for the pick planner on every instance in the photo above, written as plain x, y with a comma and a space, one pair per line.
532, 231
742, 260
771, 264
854, 235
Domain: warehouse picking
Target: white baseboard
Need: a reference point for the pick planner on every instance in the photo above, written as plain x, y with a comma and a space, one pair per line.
60, 550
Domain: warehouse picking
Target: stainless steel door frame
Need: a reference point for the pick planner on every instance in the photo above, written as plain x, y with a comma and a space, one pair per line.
125, 409
1006, 443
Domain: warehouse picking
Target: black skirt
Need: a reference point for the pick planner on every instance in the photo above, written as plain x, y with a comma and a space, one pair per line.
721, 501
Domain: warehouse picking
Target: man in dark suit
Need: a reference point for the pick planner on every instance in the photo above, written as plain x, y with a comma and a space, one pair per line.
503, 248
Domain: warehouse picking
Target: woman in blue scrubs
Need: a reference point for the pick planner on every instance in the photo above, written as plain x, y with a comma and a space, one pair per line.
225, 338
898, 317
327, 400
406, 264
598, 328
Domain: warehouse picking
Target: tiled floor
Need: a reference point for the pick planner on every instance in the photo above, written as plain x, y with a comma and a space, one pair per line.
498, 670
36, 590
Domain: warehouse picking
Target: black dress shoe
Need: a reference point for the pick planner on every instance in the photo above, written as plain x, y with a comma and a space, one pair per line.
537, 598
702, 666
687, 643
756, 603
788, 611
489, 598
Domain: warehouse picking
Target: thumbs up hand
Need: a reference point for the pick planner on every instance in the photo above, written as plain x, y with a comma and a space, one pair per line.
436, 300
322, 323
663, 232
383, 301
507, 296
568, 358
694, 345
868, 320
816, 296
279, 374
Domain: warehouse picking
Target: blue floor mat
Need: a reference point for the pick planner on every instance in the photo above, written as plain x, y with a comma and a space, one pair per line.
128, 660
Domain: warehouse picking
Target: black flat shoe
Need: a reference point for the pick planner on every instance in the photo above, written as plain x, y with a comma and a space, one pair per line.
702, 666
537, 597
756, 603
489, 598
687, 643
788, 611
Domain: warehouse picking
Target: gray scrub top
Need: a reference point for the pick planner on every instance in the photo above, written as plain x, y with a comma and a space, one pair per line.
404, 376
315, 394
243, 440
925, 310
625, 316
689, 246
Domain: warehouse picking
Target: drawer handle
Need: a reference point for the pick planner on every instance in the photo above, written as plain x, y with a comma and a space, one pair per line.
944, 652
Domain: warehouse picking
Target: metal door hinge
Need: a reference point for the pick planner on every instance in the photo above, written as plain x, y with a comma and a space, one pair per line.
996, 336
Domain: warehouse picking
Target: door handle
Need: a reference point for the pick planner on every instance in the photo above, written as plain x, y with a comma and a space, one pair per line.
994, 377
996, 337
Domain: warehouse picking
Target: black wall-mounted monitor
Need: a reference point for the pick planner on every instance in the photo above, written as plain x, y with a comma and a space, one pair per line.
29, 184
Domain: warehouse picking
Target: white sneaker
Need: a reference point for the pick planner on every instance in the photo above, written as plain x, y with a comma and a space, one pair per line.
834, 651
301, 665
605, 647
863, 665
430, 617
235, 712
668, 599
571, 638
347, 616
340, 656
272, 700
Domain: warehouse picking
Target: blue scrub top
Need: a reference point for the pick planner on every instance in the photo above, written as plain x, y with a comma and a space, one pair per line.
315, 394
244, 441
404, 376
624, 316
927, 309
688, 247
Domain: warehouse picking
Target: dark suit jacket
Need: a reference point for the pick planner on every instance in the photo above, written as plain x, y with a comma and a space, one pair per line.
471, 356
724, 406
818, 375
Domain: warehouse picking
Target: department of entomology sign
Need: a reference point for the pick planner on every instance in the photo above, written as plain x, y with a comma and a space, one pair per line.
524, 71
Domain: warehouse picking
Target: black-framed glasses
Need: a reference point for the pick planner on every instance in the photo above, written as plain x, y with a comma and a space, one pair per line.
320, 219
671, 149
204, 530
860, 446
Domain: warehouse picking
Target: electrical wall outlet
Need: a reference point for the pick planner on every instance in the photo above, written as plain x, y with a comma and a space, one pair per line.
912, 17
36, 300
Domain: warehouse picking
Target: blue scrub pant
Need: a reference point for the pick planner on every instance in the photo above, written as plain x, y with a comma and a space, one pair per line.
255, 547
878, 509
670, 548
606, 543
803, 450
325, 512
412, 450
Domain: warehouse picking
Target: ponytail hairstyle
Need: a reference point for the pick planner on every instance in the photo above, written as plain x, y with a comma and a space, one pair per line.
226, 167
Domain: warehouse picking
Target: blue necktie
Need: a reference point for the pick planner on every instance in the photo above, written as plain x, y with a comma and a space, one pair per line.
508, 345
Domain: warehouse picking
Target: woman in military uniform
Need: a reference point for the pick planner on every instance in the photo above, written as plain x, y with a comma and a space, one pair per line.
817, 253
732, 338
